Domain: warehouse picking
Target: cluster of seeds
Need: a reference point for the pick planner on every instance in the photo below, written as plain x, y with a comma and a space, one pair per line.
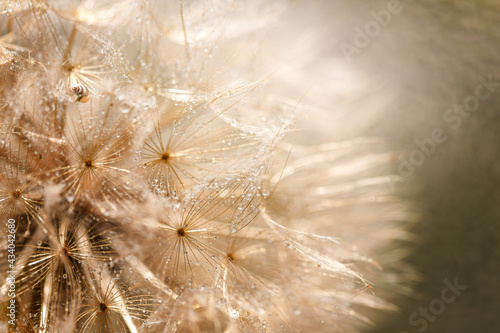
153, 181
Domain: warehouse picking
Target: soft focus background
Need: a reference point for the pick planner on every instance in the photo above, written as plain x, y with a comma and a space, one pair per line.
429, 57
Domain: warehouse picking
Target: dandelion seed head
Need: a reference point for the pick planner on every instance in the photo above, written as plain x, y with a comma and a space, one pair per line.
148, 157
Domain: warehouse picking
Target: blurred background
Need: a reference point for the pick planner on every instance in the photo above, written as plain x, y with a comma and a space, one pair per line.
431, 56
425, 60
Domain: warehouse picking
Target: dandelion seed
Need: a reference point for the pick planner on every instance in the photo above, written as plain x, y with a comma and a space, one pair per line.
114, 302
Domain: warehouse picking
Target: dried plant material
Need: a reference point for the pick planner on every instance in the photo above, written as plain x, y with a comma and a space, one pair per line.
150, 180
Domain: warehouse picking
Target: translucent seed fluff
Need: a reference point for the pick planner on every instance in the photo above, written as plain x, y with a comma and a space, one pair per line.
160, 172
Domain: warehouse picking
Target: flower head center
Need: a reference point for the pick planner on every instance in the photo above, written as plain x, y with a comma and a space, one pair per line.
17, 194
